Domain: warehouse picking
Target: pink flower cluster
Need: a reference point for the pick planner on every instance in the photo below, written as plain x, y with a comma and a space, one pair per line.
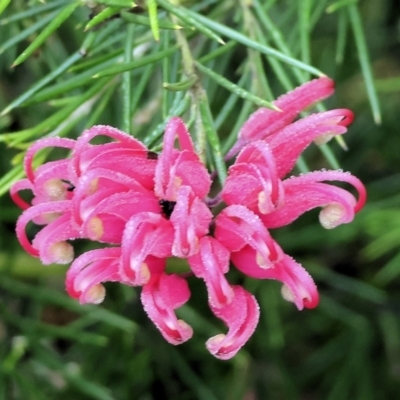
147, 207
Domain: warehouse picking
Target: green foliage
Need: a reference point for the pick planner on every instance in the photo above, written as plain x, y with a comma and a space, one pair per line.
67, 65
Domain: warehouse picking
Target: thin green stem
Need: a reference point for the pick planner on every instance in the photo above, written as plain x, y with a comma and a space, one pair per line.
356, 24
127, 82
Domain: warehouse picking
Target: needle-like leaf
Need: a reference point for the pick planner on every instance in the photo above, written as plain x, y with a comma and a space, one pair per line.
57, 21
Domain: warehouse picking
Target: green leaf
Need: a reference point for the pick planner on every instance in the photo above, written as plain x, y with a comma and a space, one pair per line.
48, 78
341, 37
127, 82
56, 120
183, 85
217, 52
240, 38
94, 61
304, 11
62, 16
179, 106
182, 13
361, 43
243, 93
72, 83
140, 87
102, 16
339, 4
118, 3
142, 20
27, 32
32, 11
230, 103
212, 136
278, 38
97, 110
117, 69
4, 4
152, 5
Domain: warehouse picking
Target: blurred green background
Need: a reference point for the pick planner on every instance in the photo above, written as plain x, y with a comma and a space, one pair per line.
348, 347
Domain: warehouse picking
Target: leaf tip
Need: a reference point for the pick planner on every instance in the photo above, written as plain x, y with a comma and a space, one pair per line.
5, 111
342, 143
377, 118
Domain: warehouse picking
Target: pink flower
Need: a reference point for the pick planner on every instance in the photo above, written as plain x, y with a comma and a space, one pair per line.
253, 180
258, 199
264, 122
87, 273
256, 254
115, 182
73, 196
241, 316
181, 180
305, 192
237, 227
145, 235
211, 263
160, 297
51, 187
147, 207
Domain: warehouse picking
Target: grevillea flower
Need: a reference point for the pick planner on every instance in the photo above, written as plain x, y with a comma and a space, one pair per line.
241, 316
146, 207
264, 122
51, 187
160, 297
182, 180
259, 199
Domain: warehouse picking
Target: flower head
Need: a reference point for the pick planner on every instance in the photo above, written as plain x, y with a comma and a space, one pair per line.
143, 207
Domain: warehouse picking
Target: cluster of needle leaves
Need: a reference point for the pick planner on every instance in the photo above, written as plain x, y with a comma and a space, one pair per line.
66, 65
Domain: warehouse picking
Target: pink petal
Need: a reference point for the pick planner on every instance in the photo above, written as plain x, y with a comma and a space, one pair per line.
211, 264
301, 133
104, 228
264, 122
160, 297
51, 240
88, 271
42, 144
306, 192
130, 162
51, 181
191, 219
28, 215
83, 142
236, 227
105, 214
179, 168
23, 184
253, 181
299, 287
176, 127
146, 234
192, 172
103, 181
241, 316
